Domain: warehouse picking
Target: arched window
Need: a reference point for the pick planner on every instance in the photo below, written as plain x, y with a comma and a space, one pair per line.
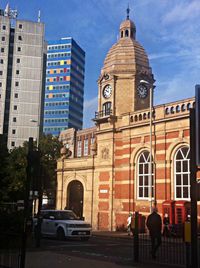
131, 119
107, 108
167, 110
172, 110
144, 179
126, 33
183, 107
178, 109
182, 173
189, 106
121, 34
136, 118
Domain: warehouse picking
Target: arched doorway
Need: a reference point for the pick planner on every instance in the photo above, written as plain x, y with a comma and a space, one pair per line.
75, 197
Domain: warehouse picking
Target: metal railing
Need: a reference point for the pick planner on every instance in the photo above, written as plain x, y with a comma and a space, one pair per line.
10, 250
172, 251
104, 113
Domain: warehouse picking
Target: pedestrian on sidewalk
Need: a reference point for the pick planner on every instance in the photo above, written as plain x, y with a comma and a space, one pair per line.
129, 223
166, 222
154, 224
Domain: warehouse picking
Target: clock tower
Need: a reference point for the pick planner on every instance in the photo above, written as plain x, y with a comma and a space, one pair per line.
120, 86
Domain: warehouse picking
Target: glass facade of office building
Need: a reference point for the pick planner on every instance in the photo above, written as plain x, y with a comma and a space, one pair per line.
64, 90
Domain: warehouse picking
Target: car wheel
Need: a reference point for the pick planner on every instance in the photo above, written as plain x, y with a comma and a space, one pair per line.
84, 238
60, 234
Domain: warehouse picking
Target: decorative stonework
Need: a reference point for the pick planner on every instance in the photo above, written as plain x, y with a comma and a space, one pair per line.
105, 153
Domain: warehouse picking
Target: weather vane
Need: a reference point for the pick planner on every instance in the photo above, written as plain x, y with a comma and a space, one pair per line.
128, 11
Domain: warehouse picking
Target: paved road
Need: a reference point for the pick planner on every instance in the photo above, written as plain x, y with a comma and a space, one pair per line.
106, 251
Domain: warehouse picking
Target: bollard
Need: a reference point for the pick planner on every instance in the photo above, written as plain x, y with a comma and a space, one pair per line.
136, 239
187, 240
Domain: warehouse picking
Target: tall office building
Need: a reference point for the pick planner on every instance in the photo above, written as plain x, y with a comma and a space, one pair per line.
64, 91
22, 62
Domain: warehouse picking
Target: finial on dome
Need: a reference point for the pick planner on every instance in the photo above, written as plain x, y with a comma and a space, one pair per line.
127, 11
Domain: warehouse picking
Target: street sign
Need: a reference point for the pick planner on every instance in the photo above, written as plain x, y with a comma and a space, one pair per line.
197, 122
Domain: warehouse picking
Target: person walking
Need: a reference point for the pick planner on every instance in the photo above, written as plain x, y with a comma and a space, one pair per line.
129, 223
166, 222
154, 225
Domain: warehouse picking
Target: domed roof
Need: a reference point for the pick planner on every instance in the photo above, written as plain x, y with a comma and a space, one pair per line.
127, 24
127, 55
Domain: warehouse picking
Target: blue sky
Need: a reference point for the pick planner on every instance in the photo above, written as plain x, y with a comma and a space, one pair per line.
169, 30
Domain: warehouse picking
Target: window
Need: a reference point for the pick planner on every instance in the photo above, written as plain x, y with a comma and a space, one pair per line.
144, 183
182, 173
183, 107
0, 84
12, 143
4, 27
13, 131
79, 145
18, 60
17, 71
1, 72
107, 108
85, 147
14, 119
1, 61
92, 140
19, 49
16, 84
3, 38
20, 26
16, 95
20, 38
15, 107
2, 49
178, 109
167, 111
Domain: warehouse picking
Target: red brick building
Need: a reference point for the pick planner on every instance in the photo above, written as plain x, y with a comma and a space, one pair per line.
108, 173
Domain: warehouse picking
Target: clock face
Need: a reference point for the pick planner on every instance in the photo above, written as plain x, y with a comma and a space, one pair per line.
142, 91
107, 91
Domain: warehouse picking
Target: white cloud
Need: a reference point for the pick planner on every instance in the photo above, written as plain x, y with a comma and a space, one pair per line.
90, 107
160, 55
183, 12
90, 104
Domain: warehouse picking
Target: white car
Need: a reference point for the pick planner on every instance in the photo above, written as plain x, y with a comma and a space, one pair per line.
63, 224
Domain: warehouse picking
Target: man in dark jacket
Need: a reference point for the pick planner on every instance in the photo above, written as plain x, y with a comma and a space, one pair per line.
154, 224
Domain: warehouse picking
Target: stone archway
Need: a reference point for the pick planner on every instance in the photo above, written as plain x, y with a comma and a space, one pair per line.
75, 197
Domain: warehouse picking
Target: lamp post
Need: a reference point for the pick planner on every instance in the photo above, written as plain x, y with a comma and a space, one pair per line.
151, 87
38, 130
35, 194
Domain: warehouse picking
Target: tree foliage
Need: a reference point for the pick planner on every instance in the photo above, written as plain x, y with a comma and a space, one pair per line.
49, 147
13, 167
17, 172
3, 168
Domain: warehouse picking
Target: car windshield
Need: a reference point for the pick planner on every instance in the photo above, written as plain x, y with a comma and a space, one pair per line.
66, 215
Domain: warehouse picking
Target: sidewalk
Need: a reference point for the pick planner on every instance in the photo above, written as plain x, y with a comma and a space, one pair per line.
112, 234
48, 259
